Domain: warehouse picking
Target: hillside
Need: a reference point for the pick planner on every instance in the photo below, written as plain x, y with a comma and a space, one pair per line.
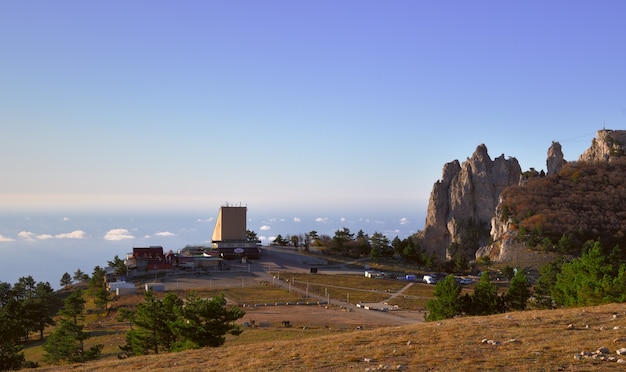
522, 341
584, 201
478, 205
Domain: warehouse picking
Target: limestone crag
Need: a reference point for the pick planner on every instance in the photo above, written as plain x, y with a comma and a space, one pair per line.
555, 161
465, 198
608, 145
502, 237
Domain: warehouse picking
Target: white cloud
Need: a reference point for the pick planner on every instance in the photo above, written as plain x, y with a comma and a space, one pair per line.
26, 235
147, 236
205, 220
76, 234
118, 234
404, 221
321, 219
265, 228
165, 233
31, 236
66, 218
5, 239
296, 219
342, 219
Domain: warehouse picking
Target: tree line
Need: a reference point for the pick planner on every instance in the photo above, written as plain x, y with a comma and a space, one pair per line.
26, 307
485, 299
598, 276
173, 324
156, 325
348, 244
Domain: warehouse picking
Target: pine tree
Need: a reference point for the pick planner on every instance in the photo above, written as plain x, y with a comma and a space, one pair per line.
66, 280
580, 281
485, 297
447, 304
80, 276
205, 322
66, 343
544, 286
11, 355
102, 300
169, 324
153, 320
96, 281
42, 305
518, 294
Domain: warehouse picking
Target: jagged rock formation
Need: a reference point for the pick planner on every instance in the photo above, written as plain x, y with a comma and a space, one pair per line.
463, 202
598, 209
608, 145
463, 216
555, 161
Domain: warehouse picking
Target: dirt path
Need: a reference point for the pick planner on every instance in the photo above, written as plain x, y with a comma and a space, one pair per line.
400, 291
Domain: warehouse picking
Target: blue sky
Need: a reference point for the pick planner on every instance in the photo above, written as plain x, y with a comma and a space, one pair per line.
325, 106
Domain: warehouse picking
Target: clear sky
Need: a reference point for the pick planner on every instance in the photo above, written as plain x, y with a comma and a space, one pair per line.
300, 105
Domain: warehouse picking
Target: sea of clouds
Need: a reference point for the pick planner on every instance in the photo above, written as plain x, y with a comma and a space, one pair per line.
47, 245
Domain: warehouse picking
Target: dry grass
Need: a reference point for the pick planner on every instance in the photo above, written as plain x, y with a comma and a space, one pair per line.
527, 341
254, 295
344, 287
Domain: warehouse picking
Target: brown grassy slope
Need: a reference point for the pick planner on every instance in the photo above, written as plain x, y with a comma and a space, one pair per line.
527, 341
586, 200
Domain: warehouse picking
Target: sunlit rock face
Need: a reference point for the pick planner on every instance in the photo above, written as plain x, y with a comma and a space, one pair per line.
608, 145
465, 199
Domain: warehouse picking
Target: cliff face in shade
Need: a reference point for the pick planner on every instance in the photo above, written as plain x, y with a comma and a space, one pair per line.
464, 200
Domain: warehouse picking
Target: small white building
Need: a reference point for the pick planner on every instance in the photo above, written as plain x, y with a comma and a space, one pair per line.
155, 287
113, 286
125, 291
373, 274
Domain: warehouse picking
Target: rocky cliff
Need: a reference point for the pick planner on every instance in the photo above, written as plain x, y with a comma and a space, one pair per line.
463, 215
608, 145
463, 202
555, 161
